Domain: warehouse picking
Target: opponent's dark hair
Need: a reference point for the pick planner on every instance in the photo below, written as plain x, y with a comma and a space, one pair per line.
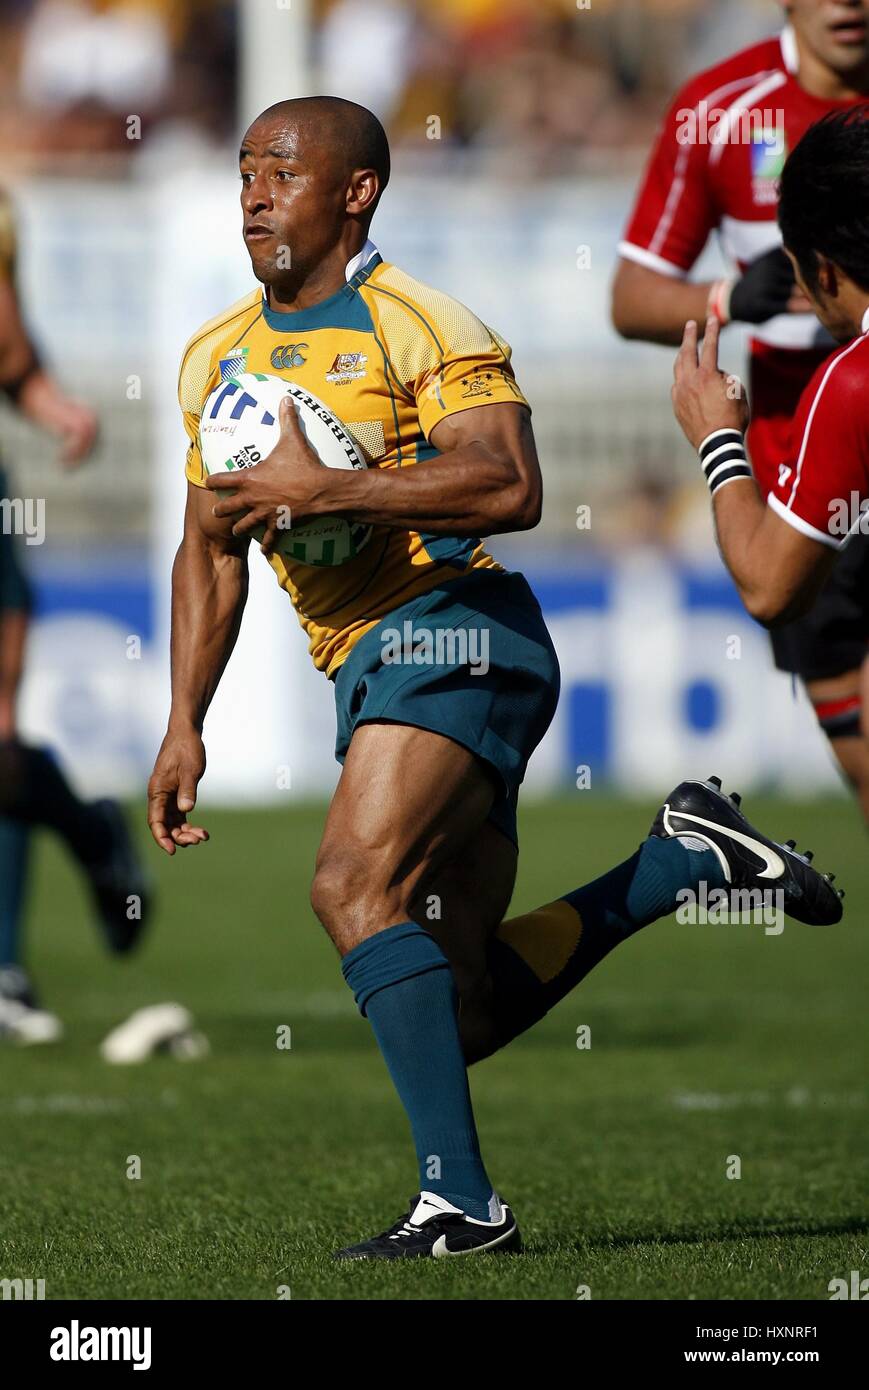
824, 196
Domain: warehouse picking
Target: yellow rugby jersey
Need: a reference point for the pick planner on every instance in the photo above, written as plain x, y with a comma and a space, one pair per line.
390, 357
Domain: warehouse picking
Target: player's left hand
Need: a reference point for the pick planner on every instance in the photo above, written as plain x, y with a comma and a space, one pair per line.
77, 427
704, 397
73, 422
291, 483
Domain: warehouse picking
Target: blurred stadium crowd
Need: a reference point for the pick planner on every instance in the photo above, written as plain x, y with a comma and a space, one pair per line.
553, 81
524, 90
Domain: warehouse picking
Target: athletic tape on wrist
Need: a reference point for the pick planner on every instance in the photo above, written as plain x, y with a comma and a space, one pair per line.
723, 458
718, 303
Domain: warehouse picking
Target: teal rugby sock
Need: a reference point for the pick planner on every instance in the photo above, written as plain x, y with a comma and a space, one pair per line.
536, 959
403, 984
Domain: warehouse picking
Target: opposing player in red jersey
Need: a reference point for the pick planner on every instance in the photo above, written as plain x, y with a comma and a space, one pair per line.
715, 166
780, 548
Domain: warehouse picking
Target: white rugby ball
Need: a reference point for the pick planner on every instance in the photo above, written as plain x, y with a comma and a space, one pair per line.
240, 425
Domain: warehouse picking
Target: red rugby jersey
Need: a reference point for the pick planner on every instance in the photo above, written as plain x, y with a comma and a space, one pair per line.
820, 486
744, 115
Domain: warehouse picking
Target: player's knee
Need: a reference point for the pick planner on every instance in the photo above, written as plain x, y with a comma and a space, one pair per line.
351, 897
333, 887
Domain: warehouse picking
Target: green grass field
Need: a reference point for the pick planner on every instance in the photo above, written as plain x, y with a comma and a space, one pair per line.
707, 1042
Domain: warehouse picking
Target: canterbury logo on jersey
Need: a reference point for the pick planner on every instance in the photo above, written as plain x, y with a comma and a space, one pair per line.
289, 356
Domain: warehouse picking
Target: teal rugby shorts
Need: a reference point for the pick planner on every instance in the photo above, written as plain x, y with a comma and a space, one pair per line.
485, 675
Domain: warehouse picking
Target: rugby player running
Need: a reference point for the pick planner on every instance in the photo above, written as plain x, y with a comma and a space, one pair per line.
417, 862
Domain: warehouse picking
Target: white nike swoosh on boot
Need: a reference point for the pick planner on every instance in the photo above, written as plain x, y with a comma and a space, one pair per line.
439, 1249
775, 865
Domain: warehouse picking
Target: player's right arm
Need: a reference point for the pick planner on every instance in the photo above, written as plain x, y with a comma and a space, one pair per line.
209, 591
32, 390
671, 220
779, 551
654, 307
674, 213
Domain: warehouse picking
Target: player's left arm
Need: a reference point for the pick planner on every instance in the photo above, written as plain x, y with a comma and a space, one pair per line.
777, 567
32, 389
485, 480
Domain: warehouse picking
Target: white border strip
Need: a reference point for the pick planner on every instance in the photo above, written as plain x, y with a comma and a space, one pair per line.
630, 252
804, 526
749, 99
806, 432
789, 51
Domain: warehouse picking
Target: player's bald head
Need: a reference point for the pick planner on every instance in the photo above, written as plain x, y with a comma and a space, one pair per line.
347, 134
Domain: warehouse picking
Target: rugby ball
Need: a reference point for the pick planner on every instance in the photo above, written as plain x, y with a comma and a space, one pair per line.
240, 425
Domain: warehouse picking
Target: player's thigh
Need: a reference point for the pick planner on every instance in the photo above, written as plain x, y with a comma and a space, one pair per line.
462, 902
408, 800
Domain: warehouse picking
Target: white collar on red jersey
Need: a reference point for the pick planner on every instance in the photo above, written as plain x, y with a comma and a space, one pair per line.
789, 52
361, 259
865, 322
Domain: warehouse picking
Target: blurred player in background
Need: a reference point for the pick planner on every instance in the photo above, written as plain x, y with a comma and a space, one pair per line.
417, 863
33, 790
781, 548
715, 166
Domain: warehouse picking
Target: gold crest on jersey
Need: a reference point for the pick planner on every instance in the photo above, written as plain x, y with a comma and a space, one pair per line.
348, 366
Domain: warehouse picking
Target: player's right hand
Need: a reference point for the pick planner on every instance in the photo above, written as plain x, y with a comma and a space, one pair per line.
704, 397
766, 288
78, 428
172, 790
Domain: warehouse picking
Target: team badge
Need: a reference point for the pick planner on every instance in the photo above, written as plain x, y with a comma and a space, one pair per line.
477, 385
233, 364
768, 151
348, 366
